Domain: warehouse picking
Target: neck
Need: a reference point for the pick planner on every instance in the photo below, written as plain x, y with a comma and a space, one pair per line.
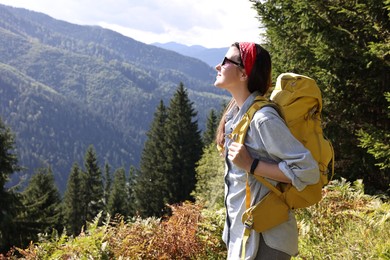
240, 97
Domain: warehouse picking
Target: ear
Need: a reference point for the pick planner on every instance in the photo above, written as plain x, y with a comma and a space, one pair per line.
243, 76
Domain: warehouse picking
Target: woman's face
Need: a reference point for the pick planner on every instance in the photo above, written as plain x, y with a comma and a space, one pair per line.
229, 71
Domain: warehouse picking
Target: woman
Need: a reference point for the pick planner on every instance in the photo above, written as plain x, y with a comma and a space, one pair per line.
269, 150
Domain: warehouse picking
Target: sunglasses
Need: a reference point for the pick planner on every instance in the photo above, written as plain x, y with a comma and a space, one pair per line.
239, 64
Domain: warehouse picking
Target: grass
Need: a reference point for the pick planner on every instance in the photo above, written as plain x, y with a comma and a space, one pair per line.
347, 224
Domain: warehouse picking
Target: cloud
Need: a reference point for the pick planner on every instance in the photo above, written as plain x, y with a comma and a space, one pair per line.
211, 23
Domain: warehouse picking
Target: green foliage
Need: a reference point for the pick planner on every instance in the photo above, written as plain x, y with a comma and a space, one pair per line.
54, 130
107, 182
132, 206
8, 157
346, 224
150, 186
183, 146
65, 86
73, 206
210, 233
88, 245
9, 201
209, 188
118, 200
377, 141
167, 170
344, 45
211, 128
92, 185
41, 200
187, 234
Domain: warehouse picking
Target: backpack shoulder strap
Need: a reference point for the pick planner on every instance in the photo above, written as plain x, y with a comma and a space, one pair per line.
239, 132
238, 135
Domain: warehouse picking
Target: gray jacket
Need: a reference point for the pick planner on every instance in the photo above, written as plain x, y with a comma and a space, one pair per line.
269, 139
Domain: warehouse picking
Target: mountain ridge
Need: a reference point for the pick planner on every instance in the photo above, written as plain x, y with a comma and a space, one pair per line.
106, 87
212, 56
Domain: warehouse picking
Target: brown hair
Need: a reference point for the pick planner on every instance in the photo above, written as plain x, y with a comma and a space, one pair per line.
259, 80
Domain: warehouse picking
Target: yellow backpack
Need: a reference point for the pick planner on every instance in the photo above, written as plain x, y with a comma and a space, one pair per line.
299, 101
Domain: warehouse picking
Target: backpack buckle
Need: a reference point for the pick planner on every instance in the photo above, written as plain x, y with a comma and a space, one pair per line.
249, 223
232, 136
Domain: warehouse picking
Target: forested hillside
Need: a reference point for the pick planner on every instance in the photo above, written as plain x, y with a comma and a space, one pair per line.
65, 86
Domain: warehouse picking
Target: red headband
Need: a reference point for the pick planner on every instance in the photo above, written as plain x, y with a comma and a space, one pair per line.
248, 55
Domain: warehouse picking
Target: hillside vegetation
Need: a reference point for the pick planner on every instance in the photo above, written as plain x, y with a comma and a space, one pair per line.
65, 87
346, 224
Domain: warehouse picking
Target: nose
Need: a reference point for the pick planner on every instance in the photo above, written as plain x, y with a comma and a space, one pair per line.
218, 67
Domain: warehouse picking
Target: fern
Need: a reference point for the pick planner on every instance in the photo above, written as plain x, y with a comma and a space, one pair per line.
346, 224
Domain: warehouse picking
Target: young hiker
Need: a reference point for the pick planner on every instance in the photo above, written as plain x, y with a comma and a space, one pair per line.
270, 151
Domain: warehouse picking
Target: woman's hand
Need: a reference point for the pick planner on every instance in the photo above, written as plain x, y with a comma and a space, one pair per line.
240, 156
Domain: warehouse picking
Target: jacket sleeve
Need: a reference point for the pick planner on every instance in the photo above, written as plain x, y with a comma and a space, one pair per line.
293, 159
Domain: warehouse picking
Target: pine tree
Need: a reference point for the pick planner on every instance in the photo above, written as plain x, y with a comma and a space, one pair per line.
211, 127
132, 206
377, 143
118, 200
167, 169
183, 147
344, 46
150, 182
107, 183
92, 186
43, 204
74, 218
9, 201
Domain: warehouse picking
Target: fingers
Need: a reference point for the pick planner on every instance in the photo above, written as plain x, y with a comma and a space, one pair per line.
236, 146
237, 153
234, 150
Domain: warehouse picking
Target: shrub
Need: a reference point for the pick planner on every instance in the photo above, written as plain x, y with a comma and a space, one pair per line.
187, 234
346, 224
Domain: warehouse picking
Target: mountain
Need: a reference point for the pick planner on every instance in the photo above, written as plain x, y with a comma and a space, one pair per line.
65, 86
212, 56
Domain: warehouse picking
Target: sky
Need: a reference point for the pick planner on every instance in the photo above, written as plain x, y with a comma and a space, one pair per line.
210, 23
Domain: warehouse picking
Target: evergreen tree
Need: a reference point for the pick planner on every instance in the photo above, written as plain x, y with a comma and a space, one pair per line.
344, 46
150, 185
211, 127
132, 206
183, 147
9, 201
92, 186
74, 218
209, 188
43, 204
377, 143
118, 200
107, 183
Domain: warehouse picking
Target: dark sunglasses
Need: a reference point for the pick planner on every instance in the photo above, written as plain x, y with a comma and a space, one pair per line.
231, 61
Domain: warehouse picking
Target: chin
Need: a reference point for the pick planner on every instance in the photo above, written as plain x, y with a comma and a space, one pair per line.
217, 84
